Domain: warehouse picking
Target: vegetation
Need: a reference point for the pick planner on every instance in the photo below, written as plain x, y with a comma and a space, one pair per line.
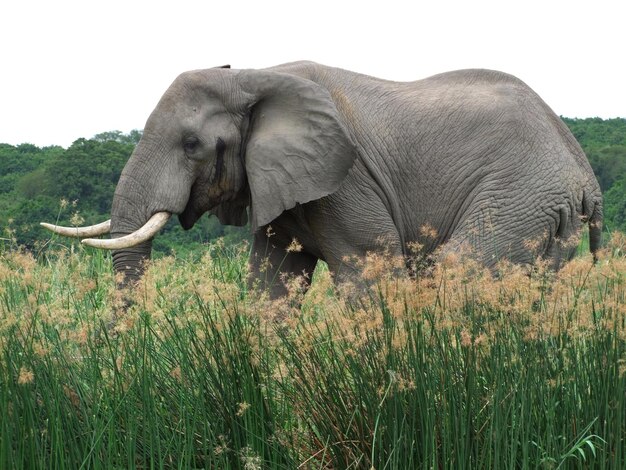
455, 370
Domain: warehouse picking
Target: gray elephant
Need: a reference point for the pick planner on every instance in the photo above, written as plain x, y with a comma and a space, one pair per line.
339, 161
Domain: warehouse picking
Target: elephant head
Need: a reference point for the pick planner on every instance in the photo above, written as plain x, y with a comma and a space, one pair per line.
220, 141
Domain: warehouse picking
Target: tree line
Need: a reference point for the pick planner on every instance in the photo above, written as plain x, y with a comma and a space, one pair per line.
75, 185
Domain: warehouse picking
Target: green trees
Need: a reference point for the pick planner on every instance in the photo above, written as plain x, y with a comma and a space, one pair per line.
604, 142
88, 172
75, 186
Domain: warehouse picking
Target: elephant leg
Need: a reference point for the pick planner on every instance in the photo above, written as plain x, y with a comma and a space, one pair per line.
362, 242
562, 247
487, 249
357, 273
490, 235
273, 263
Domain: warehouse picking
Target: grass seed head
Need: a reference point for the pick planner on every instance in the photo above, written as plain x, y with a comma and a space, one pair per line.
26, 376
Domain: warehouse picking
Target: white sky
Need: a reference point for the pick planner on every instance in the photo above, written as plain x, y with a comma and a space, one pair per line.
71, 69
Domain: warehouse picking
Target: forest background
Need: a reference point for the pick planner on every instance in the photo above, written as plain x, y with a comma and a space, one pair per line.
75, 186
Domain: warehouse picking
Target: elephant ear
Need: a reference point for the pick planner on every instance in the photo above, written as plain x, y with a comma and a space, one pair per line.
297, 150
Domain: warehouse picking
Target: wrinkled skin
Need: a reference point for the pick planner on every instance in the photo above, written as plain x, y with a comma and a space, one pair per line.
340, 161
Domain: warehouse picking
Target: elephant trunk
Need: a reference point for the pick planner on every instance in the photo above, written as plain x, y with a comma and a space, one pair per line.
129, 263
129, 213
137, 214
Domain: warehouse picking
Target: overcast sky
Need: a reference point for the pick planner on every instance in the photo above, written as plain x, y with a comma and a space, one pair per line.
72, 69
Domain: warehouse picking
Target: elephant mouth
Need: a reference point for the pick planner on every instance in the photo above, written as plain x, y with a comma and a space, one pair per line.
188, 217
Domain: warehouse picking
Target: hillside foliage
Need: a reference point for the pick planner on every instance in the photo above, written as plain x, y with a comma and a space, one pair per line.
76, 185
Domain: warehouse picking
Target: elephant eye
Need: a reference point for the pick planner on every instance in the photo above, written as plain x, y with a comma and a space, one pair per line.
190, 145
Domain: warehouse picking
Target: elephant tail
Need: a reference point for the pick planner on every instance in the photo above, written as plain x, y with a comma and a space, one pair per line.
593, 213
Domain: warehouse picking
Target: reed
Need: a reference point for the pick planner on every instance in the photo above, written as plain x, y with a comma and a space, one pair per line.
459, 368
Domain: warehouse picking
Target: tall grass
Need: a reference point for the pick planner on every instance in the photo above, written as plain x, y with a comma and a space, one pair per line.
457, 369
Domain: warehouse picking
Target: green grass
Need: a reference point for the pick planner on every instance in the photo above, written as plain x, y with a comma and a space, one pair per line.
455, 370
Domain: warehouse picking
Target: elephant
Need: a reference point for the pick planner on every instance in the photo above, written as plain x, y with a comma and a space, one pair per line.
340, 161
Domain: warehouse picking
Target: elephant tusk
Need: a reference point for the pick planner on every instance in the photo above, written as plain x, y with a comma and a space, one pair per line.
149, 230
80, 232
